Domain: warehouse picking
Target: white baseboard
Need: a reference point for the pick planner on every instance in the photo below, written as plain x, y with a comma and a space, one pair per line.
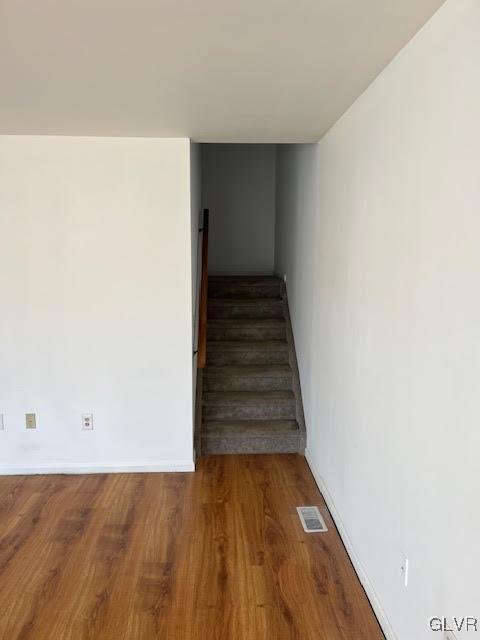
79, 468
362, 575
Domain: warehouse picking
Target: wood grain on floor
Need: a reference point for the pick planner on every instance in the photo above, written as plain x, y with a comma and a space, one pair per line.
215, 555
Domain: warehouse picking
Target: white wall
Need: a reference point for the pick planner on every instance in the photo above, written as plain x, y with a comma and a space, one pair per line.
378, 233
239, 189
96, 303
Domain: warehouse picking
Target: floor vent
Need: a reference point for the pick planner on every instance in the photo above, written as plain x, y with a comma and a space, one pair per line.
312, 521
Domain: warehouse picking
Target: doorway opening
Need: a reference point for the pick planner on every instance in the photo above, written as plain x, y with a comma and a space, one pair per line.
250, 400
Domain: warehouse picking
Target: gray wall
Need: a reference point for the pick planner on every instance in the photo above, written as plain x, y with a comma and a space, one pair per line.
239, 189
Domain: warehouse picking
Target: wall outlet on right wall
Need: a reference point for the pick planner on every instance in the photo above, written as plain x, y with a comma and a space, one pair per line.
404, 567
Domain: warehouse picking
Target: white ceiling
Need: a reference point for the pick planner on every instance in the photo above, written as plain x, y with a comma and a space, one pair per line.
213, 70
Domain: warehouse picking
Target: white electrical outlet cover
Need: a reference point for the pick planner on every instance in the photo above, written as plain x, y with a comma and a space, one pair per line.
87, 421
2, 422
405, 567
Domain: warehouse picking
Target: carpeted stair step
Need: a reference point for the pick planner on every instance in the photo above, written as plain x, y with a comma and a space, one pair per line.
250, 436
276, 377
244, 308
221, 353
247, 329
248, 405
248, 402
244, 287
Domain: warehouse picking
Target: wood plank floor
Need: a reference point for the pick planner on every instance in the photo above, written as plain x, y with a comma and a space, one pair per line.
215, 555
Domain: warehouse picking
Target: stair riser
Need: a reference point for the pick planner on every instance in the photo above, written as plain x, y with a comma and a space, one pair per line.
244, 444
247, 333
249, 412
254, 311
222, 358
224, 290
237, 383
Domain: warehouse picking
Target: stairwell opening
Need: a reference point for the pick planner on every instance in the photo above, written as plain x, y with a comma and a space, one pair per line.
249, 396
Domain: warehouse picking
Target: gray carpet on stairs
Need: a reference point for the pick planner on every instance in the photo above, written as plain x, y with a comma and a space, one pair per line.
250, 399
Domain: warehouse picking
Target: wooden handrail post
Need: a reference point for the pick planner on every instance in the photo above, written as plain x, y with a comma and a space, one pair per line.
202, 329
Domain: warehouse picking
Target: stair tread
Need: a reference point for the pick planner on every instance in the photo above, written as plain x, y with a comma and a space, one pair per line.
246, 279
244, 302
238, 428
247, 345
250, 370
248, 397
242, 322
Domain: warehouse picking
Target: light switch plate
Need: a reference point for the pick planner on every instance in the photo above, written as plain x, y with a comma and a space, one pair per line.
30, 421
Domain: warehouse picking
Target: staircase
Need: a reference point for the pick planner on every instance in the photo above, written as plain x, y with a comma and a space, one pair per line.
251, 394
